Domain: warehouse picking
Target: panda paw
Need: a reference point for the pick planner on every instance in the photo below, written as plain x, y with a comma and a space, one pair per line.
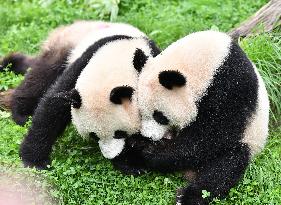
20, 119
39, 165
129, 170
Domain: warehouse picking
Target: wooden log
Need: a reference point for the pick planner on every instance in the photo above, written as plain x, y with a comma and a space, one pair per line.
5, 99
268, 18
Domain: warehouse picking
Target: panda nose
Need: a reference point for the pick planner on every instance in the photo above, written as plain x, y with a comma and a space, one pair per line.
93, 136
160, 118
119, 134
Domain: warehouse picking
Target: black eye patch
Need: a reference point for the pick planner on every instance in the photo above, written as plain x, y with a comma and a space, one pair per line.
160, 118
121, 92
119, 134
171, 78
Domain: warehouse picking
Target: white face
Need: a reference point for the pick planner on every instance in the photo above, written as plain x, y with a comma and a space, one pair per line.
163, 109
173, 82
107, 90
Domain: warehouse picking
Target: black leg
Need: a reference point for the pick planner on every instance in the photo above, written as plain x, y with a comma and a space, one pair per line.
36, 82
130, 160
217, 177
49, 121
168, 156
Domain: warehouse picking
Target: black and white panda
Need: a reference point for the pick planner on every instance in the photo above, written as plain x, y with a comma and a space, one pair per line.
206, 108
46, 66
94, 88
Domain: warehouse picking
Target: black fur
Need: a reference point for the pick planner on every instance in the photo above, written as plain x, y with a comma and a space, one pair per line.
121, 92
76, 100
19, 63
139, 59
211, 144
44, 71
119, 134
154, 48
53, 113
160, 118
171, 78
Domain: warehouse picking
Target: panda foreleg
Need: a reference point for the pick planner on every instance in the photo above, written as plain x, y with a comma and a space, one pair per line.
36, 82
49, 121
51, 116
217, 177
130, 162
167, 157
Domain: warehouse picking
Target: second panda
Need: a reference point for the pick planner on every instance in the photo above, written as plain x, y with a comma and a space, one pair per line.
204, 109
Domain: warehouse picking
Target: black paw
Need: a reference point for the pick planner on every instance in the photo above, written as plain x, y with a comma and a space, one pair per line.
20, 119
39, 165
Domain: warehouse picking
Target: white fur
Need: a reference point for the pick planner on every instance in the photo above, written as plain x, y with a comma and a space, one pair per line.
111, 66
197, 56
67, 37
111, 148
95, 35
256, 132
152, 129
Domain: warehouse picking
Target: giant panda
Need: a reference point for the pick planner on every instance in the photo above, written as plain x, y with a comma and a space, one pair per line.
205, 109
94, 89
46, 66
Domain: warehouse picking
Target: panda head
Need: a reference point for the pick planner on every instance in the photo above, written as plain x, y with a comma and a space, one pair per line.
104, 104
171, 84
110, 121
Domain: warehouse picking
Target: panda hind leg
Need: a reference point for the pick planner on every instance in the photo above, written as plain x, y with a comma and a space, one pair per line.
36, 82
217, 178
17, 62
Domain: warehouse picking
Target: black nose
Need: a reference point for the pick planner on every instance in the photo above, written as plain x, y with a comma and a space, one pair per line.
160, 118
119, 134
93, 136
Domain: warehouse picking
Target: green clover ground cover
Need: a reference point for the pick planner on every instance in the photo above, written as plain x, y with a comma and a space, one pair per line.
79, 174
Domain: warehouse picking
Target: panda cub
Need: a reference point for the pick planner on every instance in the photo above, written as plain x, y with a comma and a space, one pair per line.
206, 108
46, 66
93, 86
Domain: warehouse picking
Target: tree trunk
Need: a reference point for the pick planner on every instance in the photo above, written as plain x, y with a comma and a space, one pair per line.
268, 18
5, 99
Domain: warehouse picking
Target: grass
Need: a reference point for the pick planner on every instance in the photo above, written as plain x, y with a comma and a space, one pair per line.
79, 174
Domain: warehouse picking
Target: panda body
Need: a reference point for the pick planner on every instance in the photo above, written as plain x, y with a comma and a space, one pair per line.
199, 58
204, 109
70, 90
53, 58
95, 84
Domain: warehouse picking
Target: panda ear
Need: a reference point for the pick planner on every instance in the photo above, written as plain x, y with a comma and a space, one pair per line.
139, 59
121, 92
171, 78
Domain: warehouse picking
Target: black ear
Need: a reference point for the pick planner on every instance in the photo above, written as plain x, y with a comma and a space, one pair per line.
75, 98
171, 78
139, 59
121, 92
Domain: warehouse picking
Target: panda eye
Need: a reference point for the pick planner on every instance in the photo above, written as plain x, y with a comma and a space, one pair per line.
119, 134
160, 118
